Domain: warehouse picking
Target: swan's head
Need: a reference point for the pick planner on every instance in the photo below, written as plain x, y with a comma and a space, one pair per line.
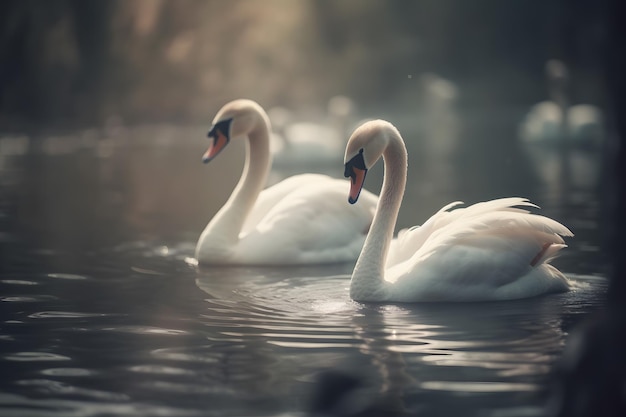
236, 119
364, 148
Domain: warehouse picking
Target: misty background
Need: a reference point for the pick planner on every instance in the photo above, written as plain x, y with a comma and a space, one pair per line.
105, 106
76, 63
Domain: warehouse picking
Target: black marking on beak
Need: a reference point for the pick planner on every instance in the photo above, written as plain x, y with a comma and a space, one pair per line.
357, 161
355, 169
220, 134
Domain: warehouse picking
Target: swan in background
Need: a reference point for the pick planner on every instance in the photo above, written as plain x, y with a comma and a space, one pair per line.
440, 132
563, 140
301, 220
494, 250
554, 120
307, 142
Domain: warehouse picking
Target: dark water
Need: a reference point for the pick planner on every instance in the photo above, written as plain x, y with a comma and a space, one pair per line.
104, 312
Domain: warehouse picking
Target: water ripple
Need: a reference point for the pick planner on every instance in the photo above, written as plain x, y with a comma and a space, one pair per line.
35, 357
146, 330
501, 341
188, 389
161, 370
70, 372
18, 282
196, 355
65, 315
482, 387
21, 406
56, 387
28, 298
67, 276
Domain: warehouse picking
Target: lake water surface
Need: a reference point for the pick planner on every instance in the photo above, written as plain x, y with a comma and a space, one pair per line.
104, 312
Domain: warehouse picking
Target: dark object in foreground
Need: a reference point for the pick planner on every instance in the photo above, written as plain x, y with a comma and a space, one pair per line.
592, 372
335, 395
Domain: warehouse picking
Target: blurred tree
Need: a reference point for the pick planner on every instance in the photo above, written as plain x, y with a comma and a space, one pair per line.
79, 62
53, 57
91, 22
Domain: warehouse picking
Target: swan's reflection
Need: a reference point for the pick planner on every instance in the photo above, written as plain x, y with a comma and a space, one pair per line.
377, 343
411, 357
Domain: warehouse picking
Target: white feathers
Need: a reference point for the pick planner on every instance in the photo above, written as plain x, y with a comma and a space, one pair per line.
493, 250
472, 253
304, 219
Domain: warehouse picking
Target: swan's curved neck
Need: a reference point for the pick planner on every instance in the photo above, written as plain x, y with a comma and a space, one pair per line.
367, 282
226, 225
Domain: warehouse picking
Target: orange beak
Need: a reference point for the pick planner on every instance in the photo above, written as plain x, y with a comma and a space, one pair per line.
356, 170
220, 135
219, 142
356, 184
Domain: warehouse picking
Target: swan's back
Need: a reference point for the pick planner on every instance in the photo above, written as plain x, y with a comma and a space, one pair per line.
271, 196
411, 240
305, 219
488, 251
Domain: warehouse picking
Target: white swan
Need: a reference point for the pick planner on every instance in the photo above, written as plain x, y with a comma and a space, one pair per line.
563, 141
489, 251
301, 220
555, 122
311, 143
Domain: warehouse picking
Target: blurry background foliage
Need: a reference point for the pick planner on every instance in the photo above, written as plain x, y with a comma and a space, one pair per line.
70, 63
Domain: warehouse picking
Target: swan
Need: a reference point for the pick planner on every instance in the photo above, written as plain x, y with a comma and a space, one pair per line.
301, 220
311, 143
493, 250
553, 121
563, 141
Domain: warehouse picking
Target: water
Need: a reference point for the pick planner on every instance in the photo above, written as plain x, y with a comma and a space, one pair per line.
104, 312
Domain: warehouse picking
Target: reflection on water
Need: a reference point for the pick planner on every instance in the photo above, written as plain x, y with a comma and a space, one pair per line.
231, 341
105, 312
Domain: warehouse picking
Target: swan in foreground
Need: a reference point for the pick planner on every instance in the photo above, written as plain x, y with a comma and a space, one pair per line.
494, 250
301, 220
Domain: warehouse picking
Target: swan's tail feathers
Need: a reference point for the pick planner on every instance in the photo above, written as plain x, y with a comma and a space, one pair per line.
506, 220
548, 252
507, 224
540, 223
450, 206
513, 204
547, 225
453, 212
537, 239
557, 227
